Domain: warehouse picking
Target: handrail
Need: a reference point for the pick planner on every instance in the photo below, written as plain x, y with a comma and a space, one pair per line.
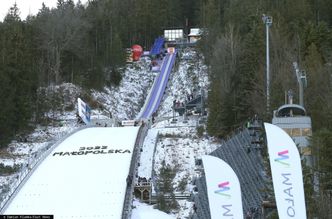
153, 172
142, 132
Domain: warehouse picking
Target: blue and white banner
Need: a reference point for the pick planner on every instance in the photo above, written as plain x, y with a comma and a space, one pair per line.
286, 173
223, 187
84, 111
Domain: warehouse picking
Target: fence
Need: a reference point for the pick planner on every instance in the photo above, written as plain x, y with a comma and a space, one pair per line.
126, 212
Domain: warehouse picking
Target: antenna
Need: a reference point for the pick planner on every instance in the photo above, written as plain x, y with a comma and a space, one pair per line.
302, 81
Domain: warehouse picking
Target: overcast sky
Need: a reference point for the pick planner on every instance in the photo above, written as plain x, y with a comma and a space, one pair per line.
27, 6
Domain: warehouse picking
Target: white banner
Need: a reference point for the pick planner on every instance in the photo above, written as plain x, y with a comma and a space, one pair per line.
286, 173
83, 110
223, 187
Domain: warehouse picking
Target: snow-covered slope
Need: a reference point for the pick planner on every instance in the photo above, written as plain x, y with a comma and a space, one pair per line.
144, 211
80, 177
123, 102
176, 143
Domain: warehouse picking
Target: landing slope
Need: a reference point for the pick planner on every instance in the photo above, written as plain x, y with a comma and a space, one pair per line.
84, 177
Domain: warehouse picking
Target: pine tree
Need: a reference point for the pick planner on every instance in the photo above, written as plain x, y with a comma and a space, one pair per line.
319, 87
165, 187
321, 150
18, 84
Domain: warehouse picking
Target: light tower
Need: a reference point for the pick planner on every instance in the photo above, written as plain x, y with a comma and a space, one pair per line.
268, 22
302, 81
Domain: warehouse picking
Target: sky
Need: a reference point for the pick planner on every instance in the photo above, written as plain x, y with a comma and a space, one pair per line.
27, 6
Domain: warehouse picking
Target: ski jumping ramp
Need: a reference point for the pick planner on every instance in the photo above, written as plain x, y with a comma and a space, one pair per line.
157, 91
83, 177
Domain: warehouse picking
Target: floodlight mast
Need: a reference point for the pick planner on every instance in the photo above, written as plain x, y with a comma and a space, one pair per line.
268, 22
302, 81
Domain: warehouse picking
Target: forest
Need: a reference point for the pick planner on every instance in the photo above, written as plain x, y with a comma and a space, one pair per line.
234, 49
85, 45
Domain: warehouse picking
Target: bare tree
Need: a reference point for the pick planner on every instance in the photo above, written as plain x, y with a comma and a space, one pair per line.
60, 31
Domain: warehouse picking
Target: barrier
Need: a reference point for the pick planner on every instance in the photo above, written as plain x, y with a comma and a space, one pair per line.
126, 212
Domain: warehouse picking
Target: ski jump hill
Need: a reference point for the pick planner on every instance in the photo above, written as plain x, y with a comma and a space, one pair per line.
89, 174
158, 88
85, 176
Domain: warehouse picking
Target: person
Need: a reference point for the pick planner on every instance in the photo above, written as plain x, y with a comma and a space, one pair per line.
248, 123
195, 208
79, 120
129, 180
248, 216
248, 149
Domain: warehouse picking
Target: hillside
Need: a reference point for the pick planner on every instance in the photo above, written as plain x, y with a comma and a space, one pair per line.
124, 102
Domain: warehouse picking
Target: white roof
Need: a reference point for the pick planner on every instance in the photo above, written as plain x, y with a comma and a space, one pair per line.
84, 177
195, 32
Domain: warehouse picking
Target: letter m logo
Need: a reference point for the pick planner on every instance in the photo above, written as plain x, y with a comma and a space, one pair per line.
282, 157
223, 187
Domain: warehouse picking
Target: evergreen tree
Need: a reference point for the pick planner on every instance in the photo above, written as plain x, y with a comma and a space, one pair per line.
318, 93
165, 187
17, 75
215, 124
321, 150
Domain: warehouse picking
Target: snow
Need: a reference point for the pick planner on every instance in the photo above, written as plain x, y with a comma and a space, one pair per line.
92, 177
176, 143
144, 211
125, 102
145, 169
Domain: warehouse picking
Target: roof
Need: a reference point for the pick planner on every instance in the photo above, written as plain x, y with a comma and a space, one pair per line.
84, 177
195, 32
297, 110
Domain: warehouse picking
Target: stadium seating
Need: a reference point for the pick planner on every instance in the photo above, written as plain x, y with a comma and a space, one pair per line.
246, 160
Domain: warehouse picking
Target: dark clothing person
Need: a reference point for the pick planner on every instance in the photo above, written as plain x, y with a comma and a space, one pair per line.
129, 180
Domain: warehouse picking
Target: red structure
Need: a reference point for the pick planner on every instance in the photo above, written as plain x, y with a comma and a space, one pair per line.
137, 51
